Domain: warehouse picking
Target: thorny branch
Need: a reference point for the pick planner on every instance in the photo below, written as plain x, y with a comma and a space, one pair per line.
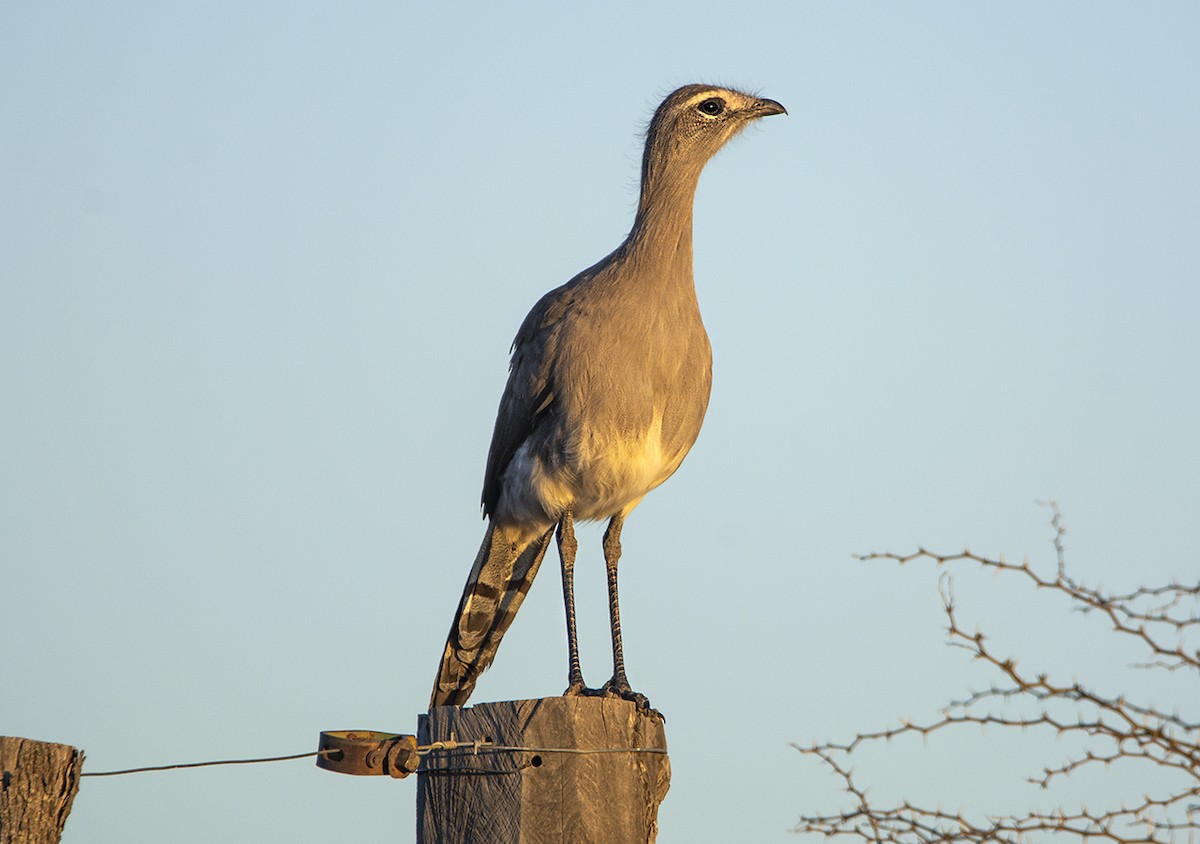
1125, 732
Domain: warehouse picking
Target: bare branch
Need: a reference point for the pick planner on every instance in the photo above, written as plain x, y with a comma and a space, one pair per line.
1116, 731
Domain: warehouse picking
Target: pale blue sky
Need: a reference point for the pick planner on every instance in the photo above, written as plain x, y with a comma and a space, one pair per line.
260, 265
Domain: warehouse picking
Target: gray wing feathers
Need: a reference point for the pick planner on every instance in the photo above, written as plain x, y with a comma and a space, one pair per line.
530, 389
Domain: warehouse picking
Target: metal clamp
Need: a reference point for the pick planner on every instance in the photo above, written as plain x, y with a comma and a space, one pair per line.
368, 753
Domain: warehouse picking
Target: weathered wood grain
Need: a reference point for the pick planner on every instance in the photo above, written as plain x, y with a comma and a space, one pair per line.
537, 796
38, 782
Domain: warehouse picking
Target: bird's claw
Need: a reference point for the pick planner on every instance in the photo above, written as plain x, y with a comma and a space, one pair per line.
619, 688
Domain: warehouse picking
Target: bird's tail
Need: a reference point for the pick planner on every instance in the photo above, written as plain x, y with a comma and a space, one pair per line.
503, 572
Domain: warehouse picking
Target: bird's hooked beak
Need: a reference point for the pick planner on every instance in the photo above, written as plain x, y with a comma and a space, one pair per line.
765, 108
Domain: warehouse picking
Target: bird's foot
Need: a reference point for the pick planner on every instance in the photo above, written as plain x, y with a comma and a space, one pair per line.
618, 687
577, 688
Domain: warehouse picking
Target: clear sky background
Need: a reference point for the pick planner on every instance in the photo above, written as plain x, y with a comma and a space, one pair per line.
260, 266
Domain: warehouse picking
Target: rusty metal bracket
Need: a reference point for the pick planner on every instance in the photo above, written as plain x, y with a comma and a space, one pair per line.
368, 753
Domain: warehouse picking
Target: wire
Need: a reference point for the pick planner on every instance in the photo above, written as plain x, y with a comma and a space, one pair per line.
476, 746
206, 764
424, 750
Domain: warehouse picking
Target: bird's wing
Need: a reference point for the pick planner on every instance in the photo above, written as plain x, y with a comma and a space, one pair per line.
530, 391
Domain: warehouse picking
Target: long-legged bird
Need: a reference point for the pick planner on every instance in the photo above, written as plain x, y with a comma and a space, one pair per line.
607, 388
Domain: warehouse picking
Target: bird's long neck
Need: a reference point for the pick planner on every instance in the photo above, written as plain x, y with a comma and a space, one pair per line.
662, 230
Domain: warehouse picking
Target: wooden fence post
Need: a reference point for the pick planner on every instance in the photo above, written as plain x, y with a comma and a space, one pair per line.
540, 794
38, 781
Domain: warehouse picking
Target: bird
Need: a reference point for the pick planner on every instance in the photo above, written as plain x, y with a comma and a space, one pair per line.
608, 384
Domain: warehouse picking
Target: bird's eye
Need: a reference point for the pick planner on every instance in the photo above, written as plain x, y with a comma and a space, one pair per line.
712, 106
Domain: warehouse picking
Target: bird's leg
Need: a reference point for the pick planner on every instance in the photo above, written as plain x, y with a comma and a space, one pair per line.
619, 684
566, 553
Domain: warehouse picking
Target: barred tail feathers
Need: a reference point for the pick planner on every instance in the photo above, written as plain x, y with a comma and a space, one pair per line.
503, 572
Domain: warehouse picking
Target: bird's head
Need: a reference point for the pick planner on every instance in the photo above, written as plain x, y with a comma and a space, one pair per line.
695, 121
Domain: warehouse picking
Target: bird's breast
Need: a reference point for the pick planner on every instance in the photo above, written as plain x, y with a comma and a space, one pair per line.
630, 389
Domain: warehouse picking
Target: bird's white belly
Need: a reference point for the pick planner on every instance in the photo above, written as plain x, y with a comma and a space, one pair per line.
607, 472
